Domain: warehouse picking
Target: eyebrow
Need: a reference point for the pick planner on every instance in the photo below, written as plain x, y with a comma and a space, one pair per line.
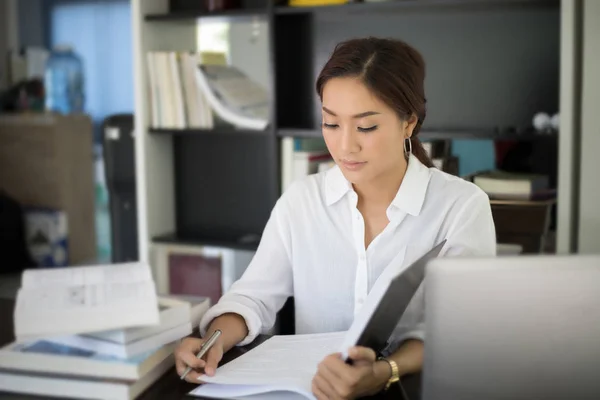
360, 115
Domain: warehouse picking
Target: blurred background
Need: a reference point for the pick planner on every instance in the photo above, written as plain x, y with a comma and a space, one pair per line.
165, 130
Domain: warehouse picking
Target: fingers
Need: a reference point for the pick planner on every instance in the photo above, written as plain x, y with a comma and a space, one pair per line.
185, 355
319, 394
338, 368
359, 353
323, 389
213, 357
189, 359
193, 377
335, 385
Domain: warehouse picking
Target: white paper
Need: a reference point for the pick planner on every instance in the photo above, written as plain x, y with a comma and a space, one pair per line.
282, 363
245, 392
98, 274
224, 112
76, 300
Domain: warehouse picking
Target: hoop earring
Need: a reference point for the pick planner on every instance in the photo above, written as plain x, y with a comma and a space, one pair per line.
407, 149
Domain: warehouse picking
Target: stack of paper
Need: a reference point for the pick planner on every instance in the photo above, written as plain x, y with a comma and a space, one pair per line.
94, 332
281, 364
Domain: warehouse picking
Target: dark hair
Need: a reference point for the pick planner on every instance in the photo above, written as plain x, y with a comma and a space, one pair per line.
392, 70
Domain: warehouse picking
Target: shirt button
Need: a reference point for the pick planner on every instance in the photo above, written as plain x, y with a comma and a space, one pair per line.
362, 257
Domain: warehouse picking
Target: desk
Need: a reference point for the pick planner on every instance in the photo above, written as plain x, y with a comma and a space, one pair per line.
169, 386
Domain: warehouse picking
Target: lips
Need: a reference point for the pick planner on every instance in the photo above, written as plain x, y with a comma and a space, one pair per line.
353, 165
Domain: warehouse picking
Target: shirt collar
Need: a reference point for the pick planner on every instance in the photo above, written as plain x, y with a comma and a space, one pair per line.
410, 196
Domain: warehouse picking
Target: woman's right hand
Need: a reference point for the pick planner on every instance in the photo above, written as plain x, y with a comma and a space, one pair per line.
185, 355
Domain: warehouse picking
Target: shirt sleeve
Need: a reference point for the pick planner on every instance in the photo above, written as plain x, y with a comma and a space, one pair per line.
472, 233
265, 285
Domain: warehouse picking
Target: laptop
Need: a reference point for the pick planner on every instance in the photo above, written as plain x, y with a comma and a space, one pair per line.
512, 328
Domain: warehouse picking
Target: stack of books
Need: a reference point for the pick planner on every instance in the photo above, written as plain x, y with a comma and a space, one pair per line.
96, 332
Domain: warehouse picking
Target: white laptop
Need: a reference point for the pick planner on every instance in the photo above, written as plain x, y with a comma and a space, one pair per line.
512, 328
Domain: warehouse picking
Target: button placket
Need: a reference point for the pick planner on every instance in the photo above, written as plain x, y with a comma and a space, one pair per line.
361, 283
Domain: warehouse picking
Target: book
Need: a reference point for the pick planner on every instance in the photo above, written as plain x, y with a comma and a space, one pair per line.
287, 363
43, 356
507, 185
75, 300
127, 350
52, 385
174, 311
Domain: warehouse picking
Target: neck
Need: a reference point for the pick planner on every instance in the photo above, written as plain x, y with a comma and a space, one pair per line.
380, 192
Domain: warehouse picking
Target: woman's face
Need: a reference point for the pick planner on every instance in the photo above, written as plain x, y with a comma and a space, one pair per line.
364, 135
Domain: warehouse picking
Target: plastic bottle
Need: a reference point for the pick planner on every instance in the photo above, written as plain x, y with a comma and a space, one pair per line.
64, 81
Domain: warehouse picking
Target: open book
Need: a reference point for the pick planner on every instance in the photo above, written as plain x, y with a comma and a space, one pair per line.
288, 363
74, 300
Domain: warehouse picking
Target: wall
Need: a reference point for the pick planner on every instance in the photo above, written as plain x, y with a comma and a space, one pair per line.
484, 68
3, 42
589, 194
32, 28
100, 32
9, 37
249, 50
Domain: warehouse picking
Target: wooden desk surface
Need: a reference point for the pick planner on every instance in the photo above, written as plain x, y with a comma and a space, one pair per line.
169, 386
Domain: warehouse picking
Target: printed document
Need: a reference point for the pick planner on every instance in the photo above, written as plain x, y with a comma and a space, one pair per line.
290, 361
75, 300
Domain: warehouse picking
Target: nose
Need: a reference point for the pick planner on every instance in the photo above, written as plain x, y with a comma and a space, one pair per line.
349, 141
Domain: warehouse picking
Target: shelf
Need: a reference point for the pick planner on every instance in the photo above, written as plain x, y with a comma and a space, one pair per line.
445, 134
299, 133
194, 15
486, 134
399, 5
206, 132
249, 242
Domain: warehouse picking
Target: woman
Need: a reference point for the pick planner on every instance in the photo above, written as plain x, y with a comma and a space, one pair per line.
332, 234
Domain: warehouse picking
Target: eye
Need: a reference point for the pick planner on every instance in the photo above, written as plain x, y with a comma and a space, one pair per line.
330, 126
369, 129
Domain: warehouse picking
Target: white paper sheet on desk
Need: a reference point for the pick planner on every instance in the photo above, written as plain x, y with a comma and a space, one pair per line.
282, 363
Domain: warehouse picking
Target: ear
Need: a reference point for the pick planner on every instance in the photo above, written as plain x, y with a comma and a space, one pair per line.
409, 125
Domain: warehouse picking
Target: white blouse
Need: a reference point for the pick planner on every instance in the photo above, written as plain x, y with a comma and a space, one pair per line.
313, 248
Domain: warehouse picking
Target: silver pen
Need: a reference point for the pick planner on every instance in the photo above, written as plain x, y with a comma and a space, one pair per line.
203, 349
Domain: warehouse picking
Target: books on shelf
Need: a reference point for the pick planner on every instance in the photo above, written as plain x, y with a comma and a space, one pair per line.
187, 94
74, 300
302, 157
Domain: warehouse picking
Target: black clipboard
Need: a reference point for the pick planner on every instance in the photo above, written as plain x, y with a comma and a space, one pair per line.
393, 303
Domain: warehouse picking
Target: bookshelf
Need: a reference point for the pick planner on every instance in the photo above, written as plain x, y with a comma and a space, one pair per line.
491, 66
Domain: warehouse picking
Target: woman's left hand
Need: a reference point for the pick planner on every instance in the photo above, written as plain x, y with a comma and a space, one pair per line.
336, 380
